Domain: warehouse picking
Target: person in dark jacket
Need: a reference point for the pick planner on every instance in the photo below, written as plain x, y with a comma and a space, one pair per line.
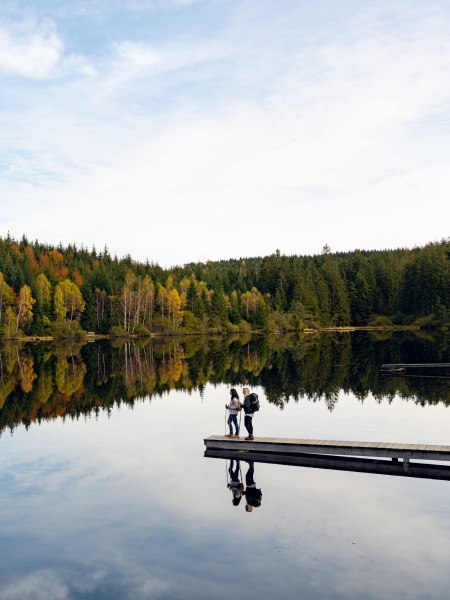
248, 419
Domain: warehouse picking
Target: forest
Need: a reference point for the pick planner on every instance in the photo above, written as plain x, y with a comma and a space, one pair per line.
67, 291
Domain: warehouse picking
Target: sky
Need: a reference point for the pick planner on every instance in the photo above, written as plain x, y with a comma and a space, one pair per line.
185, 130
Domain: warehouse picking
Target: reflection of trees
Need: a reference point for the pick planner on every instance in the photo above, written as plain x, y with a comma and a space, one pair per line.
16, 368
69, 374
171, 365
38, 382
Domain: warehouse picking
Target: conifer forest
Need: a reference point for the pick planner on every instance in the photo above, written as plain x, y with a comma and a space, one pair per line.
66, 291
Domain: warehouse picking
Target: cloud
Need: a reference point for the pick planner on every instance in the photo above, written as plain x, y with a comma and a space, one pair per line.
40, 585
30, 50
138, 55
33, 49
67, 584
164, 66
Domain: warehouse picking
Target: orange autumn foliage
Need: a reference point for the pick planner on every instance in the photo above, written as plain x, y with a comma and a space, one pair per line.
44, 261
77, 278
29, 253
56, 256
61, 273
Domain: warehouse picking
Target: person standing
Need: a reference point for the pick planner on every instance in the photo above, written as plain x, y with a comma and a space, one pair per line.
233, 407
251, 405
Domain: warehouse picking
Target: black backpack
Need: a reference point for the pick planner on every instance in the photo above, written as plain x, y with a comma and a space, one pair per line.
254, 496
251, 404
254, 402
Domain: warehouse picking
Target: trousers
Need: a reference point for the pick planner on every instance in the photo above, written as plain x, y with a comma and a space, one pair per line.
248, 422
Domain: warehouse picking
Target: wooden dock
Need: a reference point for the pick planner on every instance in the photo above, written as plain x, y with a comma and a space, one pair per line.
286, 446
339, 463
415, 366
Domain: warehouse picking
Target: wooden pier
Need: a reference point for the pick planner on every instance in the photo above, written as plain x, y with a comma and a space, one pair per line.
388, 367
288, 446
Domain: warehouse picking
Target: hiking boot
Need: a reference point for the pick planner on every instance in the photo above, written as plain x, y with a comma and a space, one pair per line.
235, 436
229, 435
250, 437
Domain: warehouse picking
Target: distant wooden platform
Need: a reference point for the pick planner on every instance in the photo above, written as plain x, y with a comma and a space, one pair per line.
339, 463
334, 447
416, 366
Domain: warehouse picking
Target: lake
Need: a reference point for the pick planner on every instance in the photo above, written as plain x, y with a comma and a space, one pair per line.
105, 492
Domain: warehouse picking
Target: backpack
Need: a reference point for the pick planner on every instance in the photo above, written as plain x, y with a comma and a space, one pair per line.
254, 496
254, 402
251, 404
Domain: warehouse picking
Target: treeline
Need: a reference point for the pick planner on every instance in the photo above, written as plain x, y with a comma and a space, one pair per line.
65, 290
73, 379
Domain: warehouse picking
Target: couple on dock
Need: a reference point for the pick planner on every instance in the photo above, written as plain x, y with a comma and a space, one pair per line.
250, 406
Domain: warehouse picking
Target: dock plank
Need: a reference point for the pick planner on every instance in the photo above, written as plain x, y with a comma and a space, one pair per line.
331, 447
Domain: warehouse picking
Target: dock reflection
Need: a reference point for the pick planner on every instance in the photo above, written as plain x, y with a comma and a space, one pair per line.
338, 463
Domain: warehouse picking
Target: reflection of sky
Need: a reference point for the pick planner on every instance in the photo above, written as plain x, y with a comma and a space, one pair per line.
127, 507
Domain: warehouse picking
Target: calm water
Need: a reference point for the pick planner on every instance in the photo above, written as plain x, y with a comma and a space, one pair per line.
105, 492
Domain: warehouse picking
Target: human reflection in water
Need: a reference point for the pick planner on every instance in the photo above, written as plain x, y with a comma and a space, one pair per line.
235, 484
253, 494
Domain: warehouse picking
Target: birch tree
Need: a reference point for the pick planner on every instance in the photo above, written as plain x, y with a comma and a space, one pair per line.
24, 307
69, 302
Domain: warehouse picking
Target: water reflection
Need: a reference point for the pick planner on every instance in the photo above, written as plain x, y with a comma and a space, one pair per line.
47, 381
327, 462
127, 508
253, 495
234, 484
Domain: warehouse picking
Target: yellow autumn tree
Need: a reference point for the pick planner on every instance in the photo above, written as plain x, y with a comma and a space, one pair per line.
6, 295
184, 286
161, 298
58, 304
148, 293
24, 307
174, 307
43, 290
129, 302
43, 302
68, 301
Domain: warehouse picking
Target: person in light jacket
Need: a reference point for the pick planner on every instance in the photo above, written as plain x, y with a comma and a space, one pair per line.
233, 407
235, 484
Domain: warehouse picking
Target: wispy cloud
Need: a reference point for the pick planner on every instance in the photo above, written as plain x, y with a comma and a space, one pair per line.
40, 585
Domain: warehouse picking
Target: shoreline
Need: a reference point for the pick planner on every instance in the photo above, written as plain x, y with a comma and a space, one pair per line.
306, 331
